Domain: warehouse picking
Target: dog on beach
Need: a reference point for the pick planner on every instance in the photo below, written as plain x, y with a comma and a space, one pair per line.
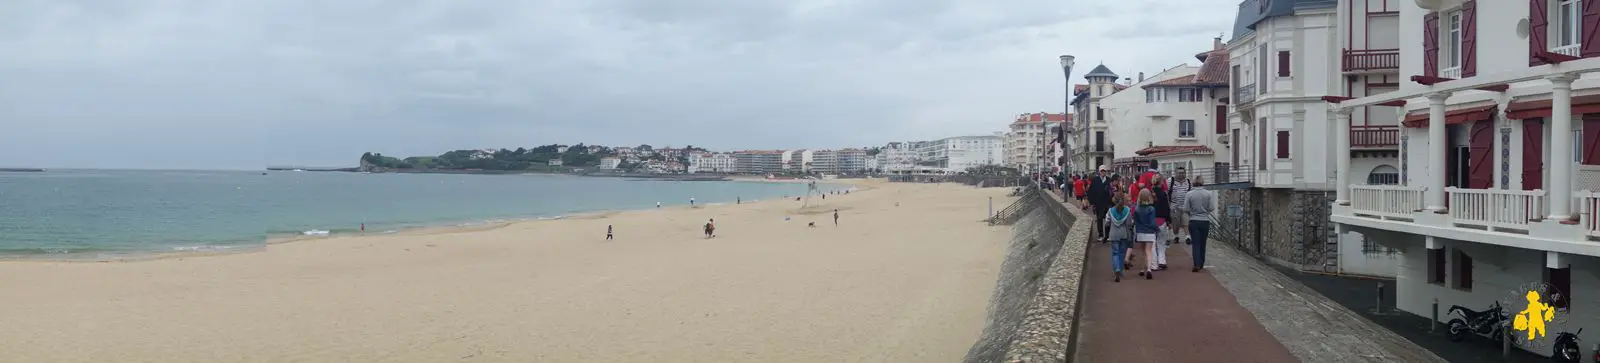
812, 224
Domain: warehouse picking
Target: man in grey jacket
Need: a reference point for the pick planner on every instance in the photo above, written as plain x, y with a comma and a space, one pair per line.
1201, 204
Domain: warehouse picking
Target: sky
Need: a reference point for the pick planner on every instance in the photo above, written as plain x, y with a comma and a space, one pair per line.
184, 84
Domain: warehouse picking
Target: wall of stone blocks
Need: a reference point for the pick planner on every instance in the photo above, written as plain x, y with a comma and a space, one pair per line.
1295, 228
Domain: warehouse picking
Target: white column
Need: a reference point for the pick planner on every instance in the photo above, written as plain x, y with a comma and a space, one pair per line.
1433, 198
1341, 145
1560, 147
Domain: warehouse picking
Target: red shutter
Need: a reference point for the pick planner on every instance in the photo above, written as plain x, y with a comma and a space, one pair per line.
1222, 119
1430, 45
1532, 154
1283, 63
1591, 22
1283, 144
1469, 38
1480, 171
1538, 25
1591, 139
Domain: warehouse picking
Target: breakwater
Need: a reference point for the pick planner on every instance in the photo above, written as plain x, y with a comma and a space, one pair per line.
1033, 313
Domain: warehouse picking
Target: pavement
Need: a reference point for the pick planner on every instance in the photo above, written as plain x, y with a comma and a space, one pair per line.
1235, 310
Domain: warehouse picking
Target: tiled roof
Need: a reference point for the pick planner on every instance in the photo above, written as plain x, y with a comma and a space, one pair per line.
1169, 150
1174, 82
1213, 68
1101, 71
1041, 116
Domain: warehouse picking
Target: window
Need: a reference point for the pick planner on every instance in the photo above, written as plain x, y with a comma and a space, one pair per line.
1099, 114
1189, 95
1463, 264
1565, 25
1452, 42
1186, 128
1558, 285
1283, 63
1436, 266
1099, 141
1261, 70
1283, 144
1153, 95
1235, 76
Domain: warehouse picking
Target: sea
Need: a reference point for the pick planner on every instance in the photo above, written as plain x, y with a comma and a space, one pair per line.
111, 214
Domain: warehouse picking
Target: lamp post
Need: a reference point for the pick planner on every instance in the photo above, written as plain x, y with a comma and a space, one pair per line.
1066, 70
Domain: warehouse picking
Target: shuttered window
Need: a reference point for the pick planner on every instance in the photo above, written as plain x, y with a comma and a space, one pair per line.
1283, 63
1283, 144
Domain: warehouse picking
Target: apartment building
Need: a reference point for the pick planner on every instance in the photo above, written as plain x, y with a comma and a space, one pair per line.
1499, 132
1091, 148
1028, 139
953, 155
713, 163
759, 161
898, 158
852, 161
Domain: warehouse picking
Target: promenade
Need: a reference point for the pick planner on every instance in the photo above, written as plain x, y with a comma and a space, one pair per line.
1237, 310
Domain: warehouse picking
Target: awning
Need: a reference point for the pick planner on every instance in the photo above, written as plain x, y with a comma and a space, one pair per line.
1419, 118
1541, 108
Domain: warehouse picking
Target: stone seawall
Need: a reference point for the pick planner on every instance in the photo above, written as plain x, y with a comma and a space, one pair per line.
1033, 312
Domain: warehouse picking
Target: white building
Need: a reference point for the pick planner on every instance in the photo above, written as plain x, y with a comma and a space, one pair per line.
957, 154
1498, 162
1177, 118
898, 158
759, 161
796, 160
713, 163
1090, 147
609, 163
1027, 138
852, 161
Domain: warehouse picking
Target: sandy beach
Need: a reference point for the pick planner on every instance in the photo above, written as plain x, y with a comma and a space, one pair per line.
891, 283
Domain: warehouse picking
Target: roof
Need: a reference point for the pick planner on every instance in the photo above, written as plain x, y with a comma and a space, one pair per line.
1041, 117
1174, 82
1172, 150
1252, 12
1101, 71
1213, 68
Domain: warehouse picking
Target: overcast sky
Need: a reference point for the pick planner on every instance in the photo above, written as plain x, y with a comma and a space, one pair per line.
242, 84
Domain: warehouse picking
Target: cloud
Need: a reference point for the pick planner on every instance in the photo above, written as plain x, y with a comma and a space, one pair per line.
240, 84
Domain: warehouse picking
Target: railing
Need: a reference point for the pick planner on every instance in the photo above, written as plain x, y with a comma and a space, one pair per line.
1371, 59
1225, 174
1451, 73
1572, 50
1496, 208
1588, 208
1244, 94
1388, 201
1387, 136
1017, 209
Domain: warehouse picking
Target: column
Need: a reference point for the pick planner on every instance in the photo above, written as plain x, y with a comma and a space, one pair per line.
1341, 146
1433, 198
1560, 191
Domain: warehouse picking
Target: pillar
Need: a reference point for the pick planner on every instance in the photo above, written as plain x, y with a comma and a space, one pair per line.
1433, 198
1560, 191
1341, 146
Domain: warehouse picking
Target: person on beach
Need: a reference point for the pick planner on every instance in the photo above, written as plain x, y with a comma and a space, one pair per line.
835, 217
1144, 232
1163, 204
1201, 204
608, 232
711, 228
1120, 221
1100, 200
691, 201
1179, 187
658, 204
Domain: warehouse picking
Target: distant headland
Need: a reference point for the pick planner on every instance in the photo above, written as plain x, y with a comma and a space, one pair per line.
21, 170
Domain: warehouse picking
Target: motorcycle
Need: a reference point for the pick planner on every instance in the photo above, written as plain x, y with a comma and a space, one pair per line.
1566, 348
1488, 323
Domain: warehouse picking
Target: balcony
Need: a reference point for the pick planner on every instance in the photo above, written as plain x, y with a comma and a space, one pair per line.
1368, 60
1243, 95
1374, 137
1495, 208
1385, 201
1572, 50
1450, 72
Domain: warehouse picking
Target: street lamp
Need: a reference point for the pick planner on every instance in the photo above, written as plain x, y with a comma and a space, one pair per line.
1066, 70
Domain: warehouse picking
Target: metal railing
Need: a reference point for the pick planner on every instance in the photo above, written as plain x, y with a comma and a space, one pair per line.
1224, 174
1496, 208
1387, 201
1244, 94
1371, 59
1010, 214
1367, 136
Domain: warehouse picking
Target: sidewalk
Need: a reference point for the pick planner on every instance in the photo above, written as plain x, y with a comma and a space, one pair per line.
1237, 310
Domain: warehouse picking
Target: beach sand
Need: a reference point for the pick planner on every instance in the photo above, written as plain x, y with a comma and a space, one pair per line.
907, 283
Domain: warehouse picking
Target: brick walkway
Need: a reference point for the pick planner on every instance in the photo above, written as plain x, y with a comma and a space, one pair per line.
1180, 316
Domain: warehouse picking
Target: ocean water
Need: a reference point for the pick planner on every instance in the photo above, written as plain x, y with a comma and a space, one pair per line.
113, 213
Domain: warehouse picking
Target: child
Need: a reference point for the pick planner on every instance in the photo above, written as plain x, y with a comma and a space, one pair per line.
1120, 222
608, 232
1144, 232
711, 228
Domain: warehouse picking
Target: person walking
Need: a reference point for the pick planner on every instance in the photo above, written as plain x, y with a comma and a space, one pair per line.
1080, 188
1163, 205
1100, 199
711, 228
835, 217
1119, 220
1179, 187
1202, 204
1144, 232
608, 232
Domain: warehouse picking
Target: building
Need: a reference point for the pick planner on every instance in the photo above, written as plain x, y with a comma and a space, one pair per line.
853, 161
1499, 159
1027, 139
954, 155
759, 162
824, 161
898, 158
1177, 118
609, 163
795, 160
706, 162
1089, 146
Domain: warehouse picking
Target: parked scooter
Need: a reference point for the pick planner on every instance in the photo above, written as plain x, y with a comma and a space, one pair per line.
1488, 323
1566, 348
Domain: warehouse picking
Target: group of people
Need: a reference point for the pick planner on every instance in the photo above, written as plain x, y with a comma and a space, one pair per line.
1148, 213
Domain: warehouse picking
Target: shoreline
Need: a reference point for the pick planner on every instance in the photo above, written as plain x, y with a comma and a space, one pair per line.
426, 229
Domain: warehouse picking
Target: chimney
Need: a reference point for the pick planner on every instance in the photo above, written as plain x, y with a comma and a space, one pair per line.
1216, 43
1141, 76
